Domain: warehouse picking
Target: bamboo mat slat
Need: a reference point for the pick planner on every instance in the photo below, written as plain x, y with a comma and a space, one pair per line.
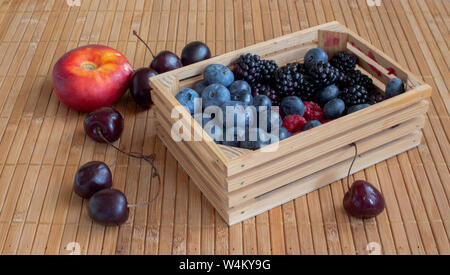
42, 142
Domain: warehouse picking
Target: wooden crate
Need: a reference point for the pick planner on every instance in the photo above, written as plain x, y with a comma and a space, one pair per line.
240, 183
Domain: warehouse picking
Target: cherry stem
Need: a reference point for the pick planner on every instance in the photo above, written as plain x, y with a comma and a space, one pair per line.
149, 159
142, 40
351, 166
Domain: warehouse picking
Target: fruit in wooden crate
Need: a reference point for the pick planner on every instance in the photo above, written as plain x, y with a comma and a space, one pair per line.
356, 77
91, 178
314, 56
140, 88
294, 123
327, 93
215, 95
267, 90
313, 111
253, 70
257, 138
323, 74
356, 108
268, 119
106, 123
187, 98
311, 124
233, 136
239, 114
292, 105
289, 81
218, 73
334, 108
91, 77
262, 101
354, 96
239, 85
200, 86
195, 52
394, 87
244, 96
109, 207
344, 61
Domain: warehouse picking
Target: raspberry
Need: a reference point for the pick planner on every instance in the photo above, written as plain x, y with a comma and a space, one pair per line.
294, 123
313, 111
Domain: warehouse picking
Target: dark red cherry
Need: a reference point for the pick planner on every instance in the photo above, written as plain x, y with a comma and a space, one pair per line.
108, 120
91, 178
166, 61
109, 207
195, 52
140, 88
363, 200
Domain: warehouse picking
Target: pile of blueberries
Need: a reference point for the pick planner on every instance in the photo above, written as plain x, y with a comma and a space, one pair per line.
229, 112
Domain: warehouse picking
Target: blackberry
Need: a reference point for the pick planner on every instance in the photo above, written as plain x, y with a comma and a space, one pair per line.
307, 92
323, 74
375, 97
254, 70
356, 77
268, 69
344, 61
354, 96
267, 90
248, 68
289, 81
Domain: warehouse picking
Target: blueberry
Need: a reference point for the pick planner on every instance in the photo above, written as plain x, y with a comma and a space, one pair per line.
272, 118
239, 85
238, 114
334, 108
215, 94
262, 100
292, 105
233, 136
357, 108
284, 133
186, 98
200, 86
243, 96
328, 93
315, 56
312, 124
218, 73
394, 87
257, 138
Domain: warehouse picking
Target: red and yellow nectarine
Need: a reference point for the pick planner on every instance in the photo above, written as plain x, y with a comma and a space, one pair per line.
91, 77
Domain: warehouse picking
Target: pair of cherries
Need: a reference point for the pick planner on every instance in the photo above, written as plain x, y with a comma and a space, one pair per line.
164, 61
93, 180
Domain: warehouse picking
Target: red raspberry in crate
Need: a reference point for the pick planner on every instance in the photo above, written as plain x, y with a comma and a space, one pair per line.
294, 123
313, 111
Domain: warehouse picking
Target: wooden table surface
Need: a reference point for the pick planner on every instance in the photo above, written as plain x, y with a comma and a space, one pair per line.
42, 143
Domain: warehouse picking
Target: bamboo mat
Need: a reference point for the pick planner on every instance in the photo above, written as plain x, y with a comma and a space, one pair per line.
42, 143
